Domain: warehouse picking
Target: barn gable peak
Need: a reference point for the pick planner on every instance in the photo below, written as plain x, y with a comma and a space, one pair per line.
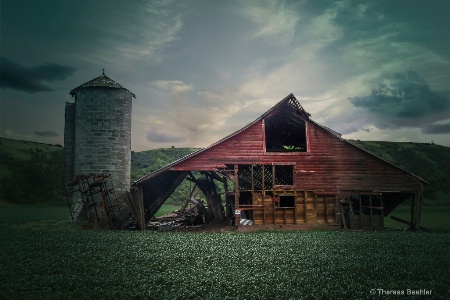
290, 101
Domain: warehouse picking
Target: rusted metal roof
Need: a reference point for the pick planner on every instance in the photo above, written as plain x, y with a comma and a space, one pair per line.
101, 81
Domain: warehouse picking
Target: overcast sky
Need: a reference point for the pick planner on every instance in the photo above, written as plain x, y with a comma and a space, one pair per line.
200, 70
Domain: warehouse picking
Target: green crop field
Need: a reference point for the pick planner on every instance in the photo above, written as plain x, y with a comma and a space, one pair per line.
61, 264
44, 257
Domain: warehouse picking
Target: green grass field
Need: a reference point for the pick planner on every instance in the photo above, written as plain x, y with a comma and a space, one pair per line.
20, 214
62, 264
45, 257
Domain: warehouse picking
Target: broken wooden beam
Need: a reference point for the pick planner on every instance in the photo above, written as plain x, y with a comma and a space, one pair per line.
409, 223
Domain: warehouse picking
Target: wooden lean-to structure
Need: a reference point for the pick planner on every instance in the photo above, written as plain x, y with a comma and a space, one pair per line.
285, 169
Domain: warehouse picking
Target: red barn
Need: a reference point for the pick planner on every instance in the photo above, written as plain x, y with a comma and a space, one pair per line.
284, 168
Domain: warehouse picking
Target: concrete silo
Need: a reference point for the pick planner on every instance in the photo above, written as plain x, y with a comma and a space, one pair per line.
98, 132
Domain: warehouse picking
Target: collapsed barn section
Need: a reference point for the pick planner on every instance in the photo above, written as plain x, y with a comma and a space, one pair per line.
284, 168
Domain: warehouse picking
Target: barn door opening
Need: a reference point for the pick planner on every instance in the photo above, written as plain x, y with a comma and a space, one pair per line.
362, 211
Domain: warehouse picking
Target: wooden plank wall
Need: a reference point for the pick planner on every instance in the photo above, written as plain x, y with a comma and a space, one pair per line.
309, 208
329, 164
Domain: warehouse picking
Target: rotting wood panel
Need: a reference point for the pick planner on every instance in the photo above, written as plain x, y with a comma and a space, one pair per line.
309, 210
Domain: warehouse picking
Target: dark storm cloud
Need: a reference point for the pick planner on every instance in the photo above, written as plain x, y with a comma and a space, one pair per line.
46, 133
17, 77
437, 129
406, 100
158, 137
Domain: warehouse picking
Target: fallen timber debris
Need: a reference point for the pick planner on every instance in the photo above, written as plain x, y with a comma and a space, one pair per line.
192, 214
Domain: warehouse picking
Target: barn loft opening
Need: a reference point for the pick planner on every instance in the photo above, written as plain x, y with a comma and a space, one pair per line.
285, 132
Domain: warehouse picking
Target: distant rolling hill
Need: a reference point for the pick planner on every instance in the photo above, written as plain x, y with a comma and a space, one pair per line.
30, 172
429, 161
145, 162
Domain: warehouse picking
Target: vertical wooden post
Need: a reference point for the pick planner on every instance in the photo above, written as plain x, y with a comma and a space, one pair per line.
263, 193
413, 214
419, 210
273, 177
326, 209
141, 209
252, 214
295, 206
360, 214
344, 222
137, 205
228, 212
337, 210
273, 189
419, 206
305, 195
370, 203
253, 183
237, 211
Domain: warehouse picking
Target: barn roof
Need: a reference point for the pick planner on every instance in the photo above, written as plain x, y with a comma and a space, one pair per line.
290, 102
101, 81
290, 99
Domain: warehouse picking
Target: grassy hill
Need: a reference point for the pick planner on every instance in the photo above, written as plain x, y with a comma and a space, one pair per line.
30, 172
145, 162
35, 168
12, 151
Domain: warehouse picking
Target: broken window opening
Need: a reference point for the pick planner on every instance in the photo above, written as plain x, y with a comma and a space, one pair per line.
364, 211
285, 132
286, 201
284, 175
366, 204
262, 177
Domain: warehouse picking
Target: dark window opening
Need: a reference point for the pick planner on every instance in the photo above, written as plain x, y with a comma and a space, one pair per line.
355, 209
363, 211
263, 177
287, 201
285, 132
245, 204
366, 205
284, 175
268, 177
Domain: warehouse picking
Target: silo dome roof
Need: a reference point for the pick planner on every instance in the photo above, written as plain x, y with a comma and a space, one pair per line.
101, 81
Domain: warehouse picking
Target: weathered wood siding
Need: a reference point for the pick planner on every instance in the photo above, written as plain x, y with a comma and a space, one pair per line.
243, 148
330, 164
309, 209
